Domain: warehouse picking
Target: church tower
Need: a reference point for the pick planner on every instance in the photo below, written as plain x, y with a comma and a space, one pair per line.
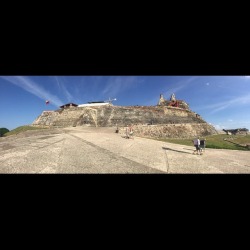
161, 100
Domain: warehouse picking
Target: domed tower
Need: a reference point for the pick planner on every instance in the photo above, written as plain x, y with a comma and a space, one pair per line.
161, 100
172, 98
172, 102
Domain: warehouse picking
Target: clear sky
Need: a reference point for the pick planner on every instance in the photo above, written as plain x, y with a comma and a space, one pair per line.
222, 101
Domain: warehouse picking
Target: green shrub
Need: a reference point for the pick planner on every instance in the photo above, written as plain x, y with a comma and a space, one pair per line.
3, 131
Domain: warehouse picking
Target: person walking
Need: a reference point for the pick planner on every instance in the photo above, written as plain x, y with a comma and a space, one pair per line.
127, 132
197, 146
202, 145
131, 131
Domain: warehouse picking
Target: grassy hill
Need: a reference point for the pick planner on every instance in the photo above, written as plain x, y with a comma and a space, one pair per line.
21, 129
234, 142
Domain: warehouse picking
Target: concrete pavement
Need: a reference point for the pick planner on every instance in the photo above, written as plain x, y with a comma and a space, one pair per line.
101, 150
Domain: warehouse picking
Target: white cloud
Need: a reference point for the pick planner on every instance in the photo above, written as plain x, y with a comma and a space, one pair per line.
32, 87
242, 100
232, 124
118, 84
62, 87
168, 93
173, 88
219, 126
245, 77
178, 86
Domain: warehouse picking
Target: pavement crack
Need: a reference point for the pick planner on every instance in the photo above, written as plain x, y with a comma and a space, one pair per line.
112, 154
167, 161
50, 144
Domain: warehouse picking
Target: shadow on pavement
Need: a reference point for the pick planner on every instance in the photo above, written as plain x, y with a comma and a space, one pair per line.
176, 150
189, 149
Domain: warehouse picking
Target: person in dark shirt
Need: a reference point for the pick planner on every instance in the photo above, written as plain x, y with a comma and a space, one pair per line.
202, 145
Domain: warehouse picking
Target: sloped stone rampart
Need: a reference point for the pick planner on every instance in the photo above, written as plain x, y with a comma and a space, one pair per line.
188, 130
150, 121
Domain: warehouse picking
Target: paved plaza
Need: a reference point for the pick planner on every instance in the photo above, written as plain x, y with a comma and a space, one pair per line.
101, 150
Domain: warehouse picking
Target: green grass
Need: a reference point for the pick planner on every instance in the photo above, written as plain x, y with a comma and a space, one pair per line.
216, 141
21, 129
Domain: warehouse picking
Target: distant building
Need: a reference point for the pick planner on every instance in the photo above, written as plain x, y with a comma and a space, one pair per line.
172, 102
236, 131
91, 104
68, 105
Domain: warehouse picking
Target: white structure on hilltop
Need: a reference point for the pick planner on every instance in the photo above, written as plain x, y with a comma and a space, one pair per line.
91, 104
101, 103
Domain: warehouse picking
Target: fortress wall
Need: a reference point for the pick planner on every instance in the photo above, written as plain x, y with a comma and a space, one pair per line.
121, 116
188, 130
108, 116
46, 118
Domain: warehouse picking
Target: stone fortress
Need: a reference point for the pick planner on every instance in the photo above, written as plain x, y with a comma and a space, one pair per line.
169, 118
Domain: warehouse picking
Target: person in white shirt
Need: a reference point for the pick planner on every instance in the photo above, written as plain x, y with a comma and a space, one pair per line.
197, 146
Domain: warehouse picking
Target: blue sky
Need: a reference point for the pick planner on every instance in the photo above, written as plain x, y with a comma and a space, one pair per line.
222, 101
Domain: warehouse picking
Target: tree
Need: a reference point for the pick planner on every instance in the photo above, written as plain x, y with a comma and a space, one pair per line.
3, 131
